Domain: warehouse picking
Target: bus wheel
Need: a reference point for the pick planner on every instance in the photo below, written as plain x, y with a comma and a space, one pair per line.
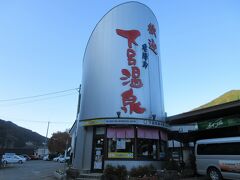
214, 174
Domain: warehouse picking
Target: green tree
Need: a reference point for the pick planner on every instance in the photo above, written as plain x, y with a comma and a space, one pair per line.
59, 142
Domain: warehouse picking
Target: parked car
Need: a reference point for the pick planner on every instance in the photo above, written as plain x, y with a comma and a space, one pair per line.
46, 158
33, 157
57, 158
12, 159
26, 156
52, 156
64, 159
1, 163
22, 157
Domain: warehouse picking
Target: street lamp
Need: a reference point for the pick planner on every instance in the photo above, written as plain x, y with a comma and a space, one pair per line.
154, 116
118, 114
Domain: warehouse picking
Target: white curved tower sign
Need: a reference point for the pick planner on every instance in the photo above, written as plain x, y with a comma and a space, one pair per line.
121, 68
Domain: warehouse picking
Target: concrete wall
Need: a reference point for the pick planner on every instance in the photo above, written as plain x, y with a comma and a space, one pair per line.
186, 156
80, 145
88, 149
83, 155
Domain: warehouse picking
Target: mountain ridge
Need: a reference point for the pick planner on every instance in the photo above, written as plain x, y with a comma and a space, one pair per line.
229, 96
14, 136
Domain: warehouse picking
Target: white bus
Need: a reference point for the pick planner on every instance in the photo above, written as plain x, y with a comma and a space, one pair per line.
218, 158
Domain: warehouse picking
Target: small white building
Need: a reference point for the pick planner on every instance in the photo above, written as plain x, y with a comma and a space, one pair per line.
41, 152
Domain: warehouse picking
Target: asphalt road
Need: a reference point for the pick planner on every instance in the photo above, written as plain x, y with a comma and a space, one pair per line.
31, 170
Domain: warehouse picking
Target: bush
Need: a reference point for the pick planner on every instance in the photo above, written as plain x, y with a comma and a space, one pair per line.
112, 173
134, 172
171, 165
121, 171
141, 171
72, 173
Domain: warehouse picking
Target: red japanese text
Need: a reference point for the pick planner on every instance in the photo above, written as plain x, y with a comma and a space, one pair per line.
131, 77
129, 99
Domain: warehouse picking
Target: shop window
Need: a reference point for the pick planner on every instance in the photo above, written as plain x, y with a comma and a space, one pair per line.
162, 149
120, 148
147, 148
163, 145
120, 142
147, 143
100, 130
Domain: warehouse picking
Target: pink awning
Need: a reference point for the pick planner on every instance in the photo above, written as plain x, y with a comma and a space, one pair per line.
120, 133
111, 133
155, 134
147, 133
129, 133
140, 133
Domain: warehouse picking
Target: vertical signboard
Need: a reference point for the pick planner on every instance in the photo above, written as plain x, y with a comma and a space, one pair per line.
121, 67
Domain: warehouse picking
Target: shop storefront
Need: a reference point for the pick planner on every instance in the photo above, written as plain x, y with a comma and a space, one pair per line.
218, 121
116, 144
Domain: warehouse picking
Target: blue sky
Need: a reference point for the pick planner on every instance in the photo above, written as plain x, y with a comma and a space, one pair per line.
42, 45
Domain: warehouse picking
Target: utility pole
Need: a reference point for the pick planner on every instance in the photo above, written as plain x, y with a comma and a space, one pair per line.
45, 145
77, 123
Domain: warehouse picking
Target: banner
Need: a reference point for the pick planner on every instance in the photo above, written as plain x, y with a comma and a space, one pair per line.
145, 122
219, 123
127, 155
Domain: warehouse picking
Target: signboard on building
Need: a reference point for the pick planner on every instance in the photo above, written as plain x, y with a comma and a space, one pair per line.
121, 67
145, 122
120, 155
219, 123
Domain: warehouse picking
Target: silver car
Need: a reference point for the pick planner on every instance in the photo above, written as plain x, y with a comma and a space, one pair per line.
12, 159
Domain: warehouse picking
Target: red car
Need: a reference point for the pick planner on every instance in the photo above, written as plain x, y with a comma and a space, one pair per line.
33, 157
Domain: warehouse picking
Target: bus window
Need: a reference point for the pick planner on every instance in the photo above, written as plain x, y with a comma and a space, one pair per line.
219, 149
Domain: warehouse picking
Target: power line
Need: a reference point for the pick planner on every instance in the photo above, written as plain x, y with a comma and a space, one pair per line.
33, 121
33, 101
35, 96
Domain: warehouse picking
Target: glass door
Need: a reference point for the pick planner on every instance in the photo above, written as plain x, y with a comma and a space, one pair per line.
98, 153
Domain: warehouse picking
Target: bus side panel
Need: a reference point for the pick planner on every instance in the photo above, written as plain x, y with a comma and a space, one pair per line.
231, 163
222, 153
230, 166
203, 162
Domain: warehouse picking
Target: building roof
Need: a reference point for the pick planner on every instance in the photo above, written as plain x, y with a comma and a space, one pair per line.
73, 128
225, 109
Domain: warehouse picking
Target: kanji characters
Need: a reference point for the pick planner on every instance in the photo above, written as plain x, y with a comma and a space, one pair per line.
131, 54
129, 99
151, 42
136, 82
152, 29
132, 78
145, 56
152, 45
131, 35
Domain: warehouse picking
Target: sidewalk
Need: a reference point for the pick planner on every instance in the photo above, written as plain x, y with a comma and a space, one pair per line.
195, 178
